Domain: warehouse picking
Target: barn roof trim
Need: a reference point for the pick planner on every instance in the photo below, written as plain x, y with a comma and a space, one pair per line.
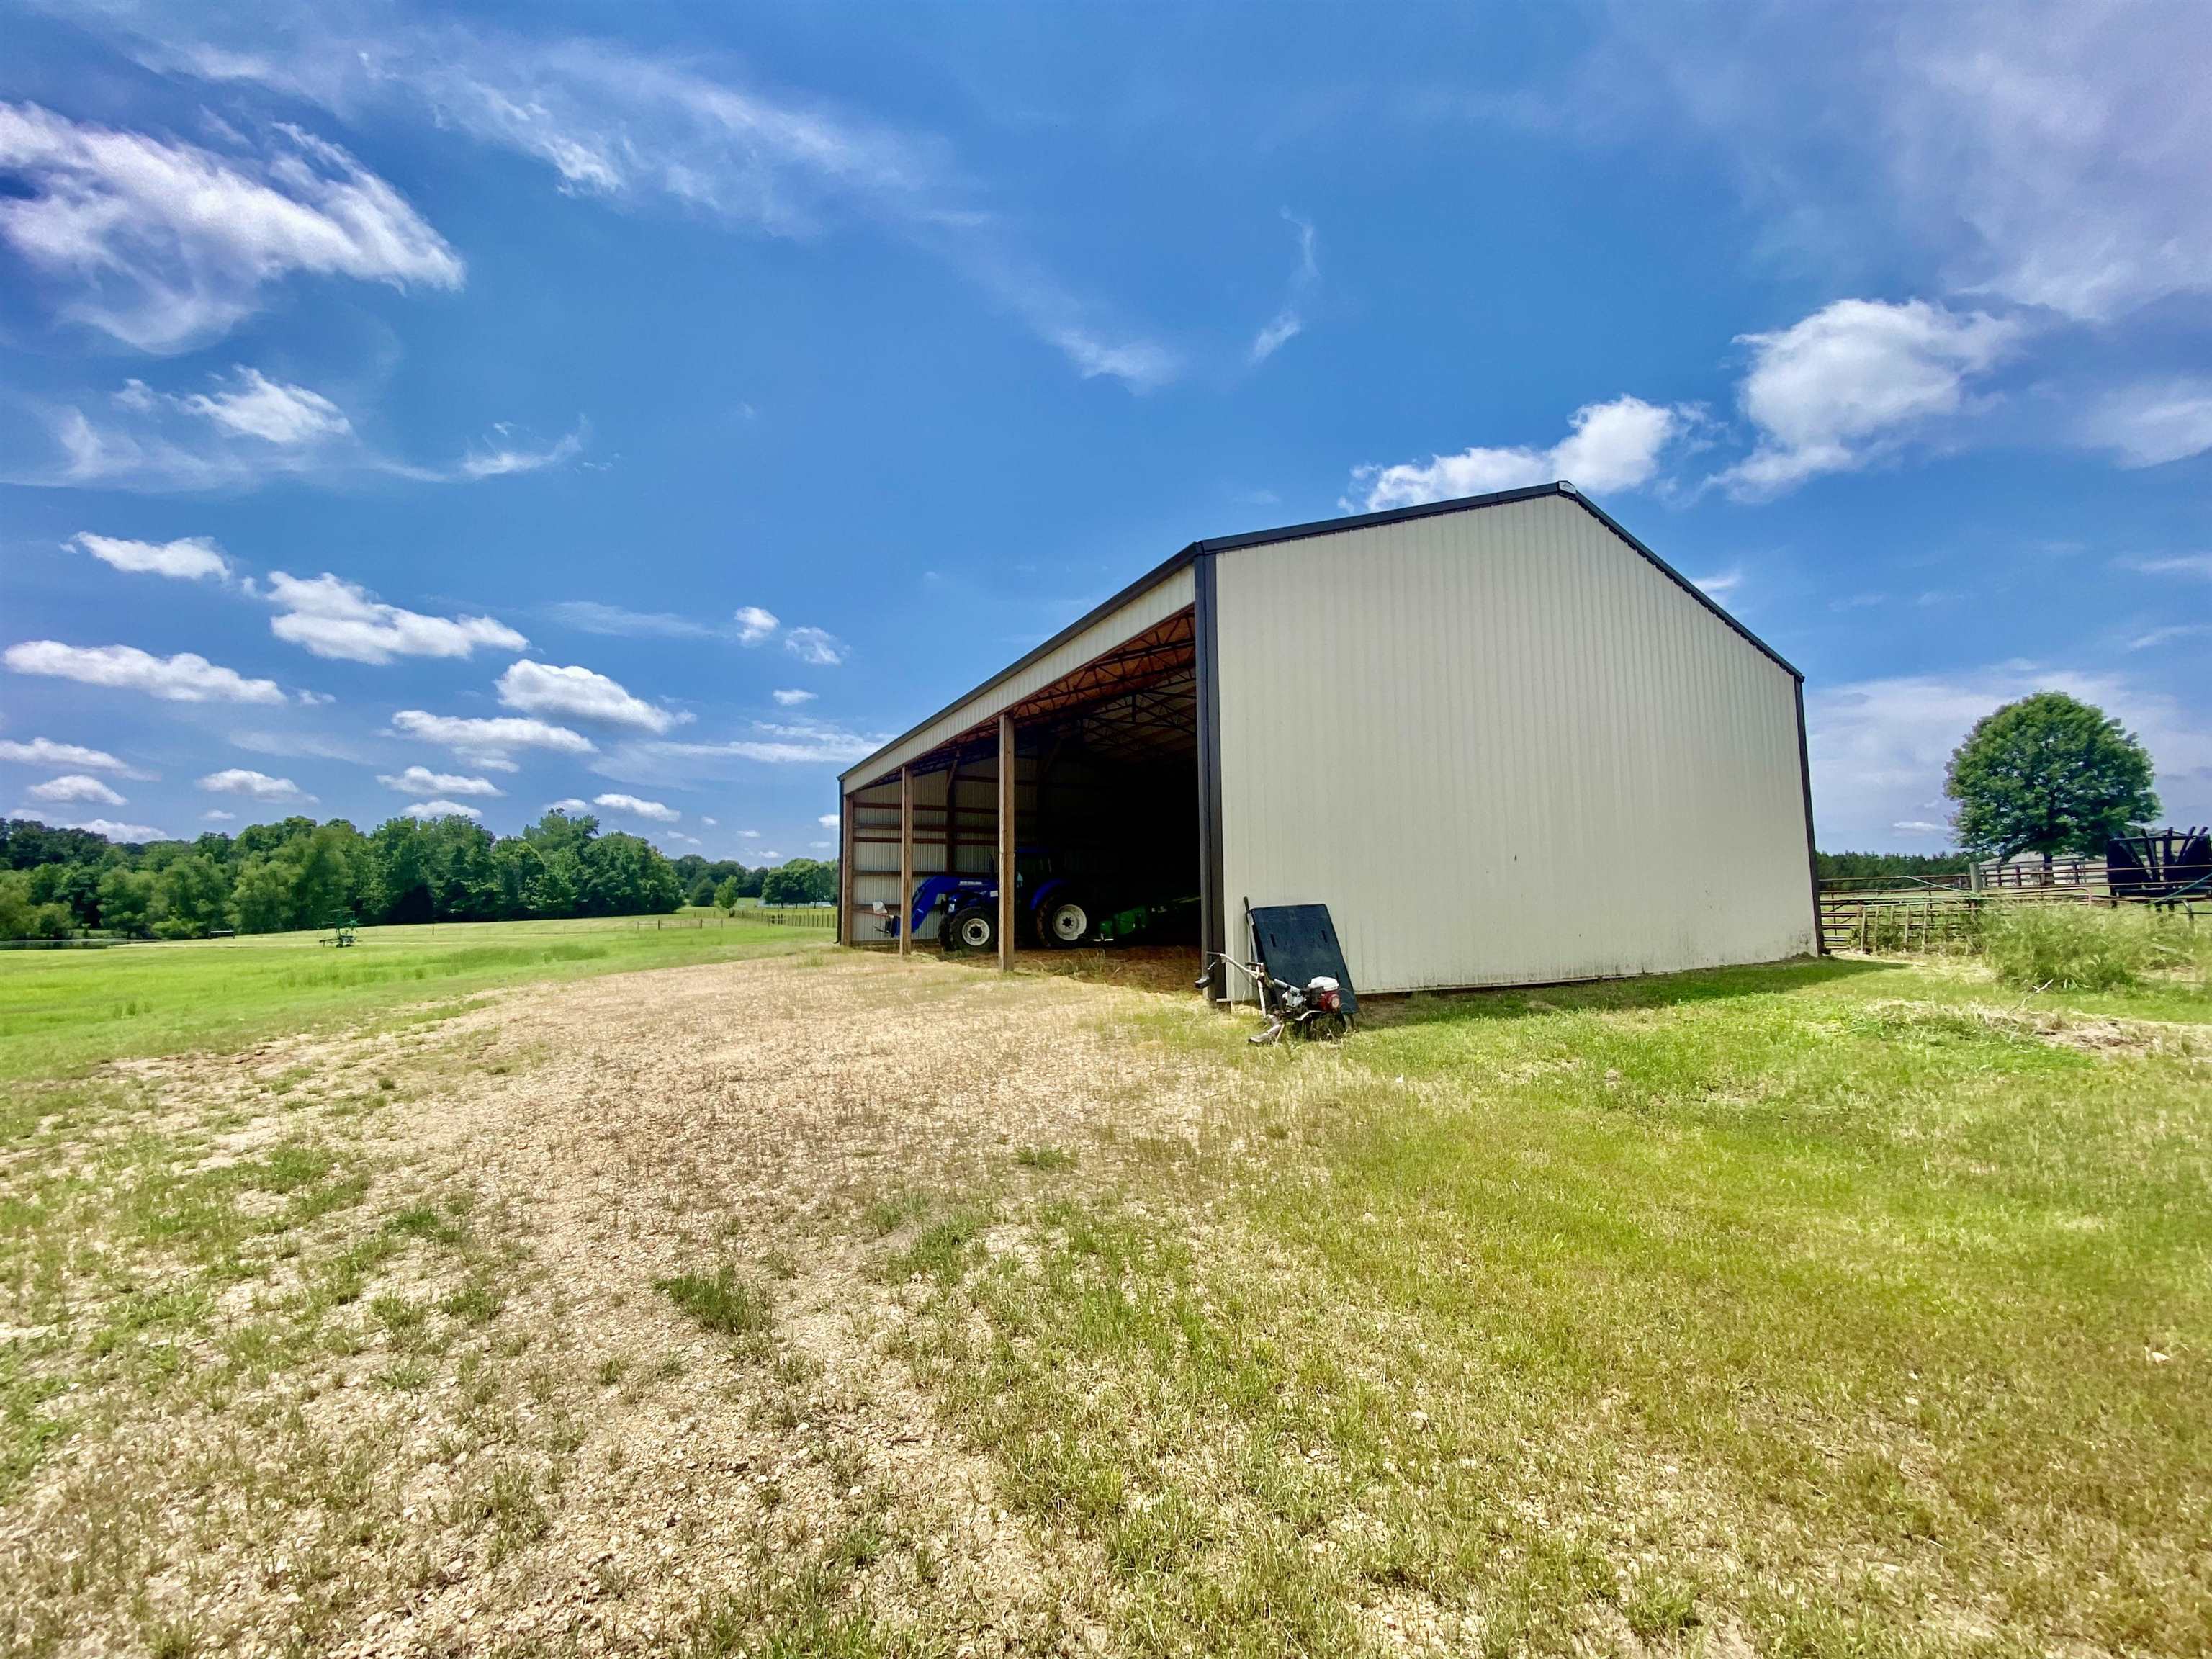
1296, 532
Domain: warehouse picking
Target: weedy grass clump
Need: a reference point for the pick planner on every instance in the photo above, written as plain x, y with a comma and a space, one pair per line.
720, 1301
2078, 947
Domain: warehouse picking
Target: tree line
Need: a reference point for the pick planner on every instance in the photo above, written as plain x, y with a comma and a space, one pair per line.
273, 878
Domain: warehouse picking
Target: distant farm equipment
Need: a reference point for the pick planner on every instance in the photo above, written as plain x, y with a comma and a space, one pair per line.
2159, 867
1059, 910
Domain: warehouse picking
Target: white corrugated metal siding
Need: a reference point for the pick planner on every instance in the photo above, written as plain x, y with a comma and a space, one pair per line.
1504, 748
1147, 609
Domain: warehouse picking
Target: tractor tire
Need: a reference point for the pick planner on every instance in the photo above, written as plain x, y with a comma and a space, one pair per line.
972, 927
1063, 923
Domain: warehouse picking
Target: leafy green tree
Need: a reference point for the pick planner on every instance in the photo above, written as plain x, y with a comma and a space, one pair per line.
2048, 774
22, 916
727, 894
191, 897
264, 896
322, 874
399, 885
125, 898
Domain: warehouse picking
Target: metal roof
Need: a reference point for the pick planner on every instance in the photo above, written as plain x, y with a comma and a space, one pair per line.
1162, 571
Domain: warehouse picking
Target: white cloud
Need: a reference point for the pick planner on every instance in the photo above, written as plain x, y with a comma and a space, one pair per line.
635, 130
590, 616
333, 617
770, 854
1854, 381
2153, 423
755, 624
422, 780
1611, 445
1879, 747
165, 244
504, 459
1720, 584
297, 745
1290, 322
828, 820
709, 823
538, 688
749, 835
255, 786
184, 678
44, 752
658, 811
569, 804
77, 787
812, 645
246, 429
2159, 637
1920, 827
187, 558
2060, 146
793, 699
217, 814
1139, 364
439, 809
681, 765
2185, 564
489, 741
255, 406
122, 833
819, 846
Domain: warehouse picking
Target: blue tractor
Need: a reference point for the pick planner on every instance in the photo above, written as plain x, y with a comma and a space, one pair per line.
964, 909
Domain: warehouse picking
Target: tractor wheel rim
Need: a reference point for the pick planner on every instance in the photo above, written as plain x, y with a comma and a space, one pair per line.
977, 933
1068, 923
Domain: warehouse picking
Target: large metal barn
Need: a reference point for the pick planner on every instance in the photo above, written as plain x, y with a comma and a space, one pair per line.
1500, 738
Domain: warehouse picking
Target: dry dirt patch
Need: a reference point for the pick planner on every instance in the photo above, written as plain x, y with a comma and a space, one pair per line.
498, 1429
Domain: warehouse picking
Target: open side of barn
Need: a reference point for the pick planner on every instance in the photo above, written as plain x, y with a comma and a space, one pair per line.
1501, 738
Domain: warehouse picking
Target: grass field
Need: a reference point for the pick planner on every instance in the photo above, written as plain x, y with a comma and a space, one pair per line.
793, 1302
62, 1011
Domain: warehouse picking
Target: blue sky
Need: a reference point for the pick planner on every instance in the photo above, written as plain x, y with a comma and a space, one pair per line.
656, 406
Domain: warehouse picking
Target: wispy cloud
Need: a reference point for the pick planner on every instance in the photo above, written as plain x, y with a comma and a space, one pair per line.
506, 458
1290, 321
793, 698
2152, 423
634, 130
186, 678
590, 616
804, 743
815, 646
240, 431
440, 809
164, 245
2184, 564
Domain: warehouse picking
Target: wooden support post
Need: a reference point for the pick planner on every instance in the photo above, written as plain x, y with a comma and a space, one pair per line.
845, 851
906, 860
1005, 843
